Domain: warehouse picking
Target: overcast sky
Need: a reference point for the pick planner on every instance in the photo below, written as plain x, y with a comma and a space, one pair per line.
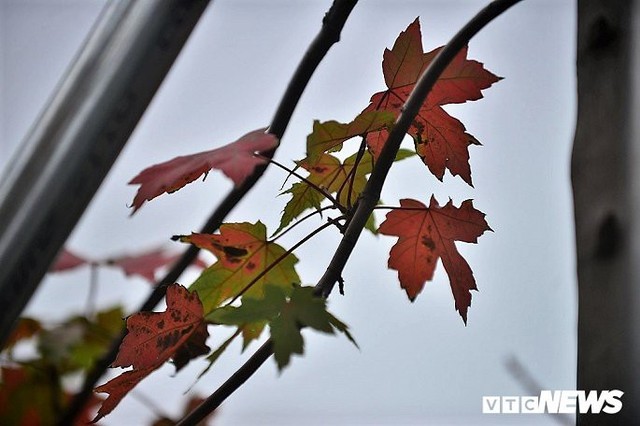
418, 363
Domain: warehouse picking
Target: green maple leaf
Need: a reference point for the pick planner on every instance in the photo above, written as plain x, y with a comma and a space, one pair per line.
286, 316
243, 253
328, 136
334, 177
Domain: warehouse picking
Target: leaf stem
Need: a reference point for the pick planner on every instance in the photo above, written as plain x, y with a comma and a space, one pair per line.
305, 180
351, 176
299, 221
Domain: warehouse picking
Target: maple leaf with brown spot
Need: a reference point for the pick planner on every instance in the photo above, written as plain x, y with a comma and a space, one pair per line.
236, 160
155, 337
243, 253
428, 234
441, 140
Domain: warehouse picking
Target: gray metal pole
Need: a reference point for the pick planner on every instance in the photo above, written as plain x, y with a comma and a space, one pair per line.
75, 141
606, 203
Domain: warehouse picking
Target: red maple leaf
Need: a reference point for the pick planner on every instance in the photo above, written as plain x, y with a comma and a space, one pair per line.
236, 160
428, 234
441, 140
155, 337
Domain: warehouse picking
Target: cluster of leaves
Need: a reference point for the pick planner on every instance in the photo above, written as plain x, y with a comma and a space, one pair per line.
254, 285
32, 390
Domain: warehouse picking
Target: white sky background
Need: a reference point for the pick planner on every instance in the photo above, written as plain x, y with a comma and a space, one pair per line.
418, 363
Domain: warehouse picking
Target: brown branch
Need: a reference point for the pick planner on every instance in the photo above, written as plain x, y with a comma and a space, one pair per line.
370, 197
227, 388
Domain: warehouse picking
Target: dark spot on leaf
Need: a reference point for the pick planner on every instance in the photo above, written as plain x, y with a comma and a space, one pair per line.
160, 324
175, 315
428, 242
231, 251
251, 266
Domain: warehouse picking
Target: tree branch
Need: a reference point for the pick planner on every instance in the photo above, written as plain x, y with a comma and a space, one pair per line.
371, 193
329, 34
227, 388
370, 196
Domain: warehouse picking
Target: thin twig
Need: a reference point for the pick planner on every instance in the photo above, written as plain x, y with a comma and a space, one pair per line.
301, 220
324, 193
227, 388
351, 176
522, 375
90, 307
149, 404
370, 196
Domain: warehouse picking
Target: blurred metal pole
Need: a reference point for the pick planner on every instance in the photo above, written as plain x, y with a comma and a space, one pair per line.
605, 178
75, 141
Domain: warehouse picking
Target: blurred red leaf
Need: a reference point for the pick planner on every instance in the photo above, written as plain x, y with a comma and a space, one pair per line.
67, 260
236, 160
146, 264
152, 339
29, 395
25, 329
428, 234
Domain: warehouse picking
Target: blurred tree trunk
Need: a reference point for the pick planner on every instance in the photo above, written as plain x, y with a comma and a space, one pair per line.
605, 173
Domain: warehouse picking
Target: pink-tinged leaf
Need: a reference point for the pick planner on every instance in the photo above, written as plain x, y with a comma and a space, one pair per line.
236, 160
428, 234
147, 264
67, 260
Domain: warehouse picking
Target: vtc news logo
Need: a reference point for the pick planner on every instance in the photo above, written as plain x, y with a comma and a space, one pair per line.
555, 402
